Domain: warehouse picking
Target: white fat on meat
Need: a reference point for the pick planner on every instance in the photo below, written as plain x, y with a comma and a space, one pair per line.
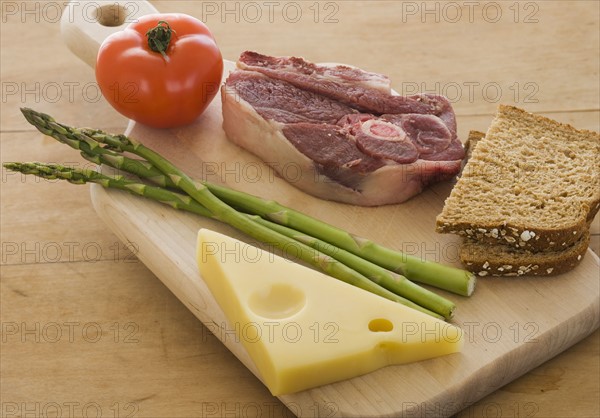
389, 184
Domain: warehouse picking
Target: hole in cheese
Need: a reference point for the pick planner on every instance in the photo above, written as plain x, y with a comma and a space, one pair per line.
381, 325
277, 301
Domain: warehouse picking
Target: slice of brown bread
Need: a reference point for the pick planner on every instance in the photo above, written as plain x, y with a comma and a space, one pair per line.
531, 183
504, 260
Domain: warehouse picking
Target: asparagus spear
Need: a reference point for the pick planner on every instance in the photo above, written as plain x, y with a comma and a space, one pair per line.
90, 142
225, 213
390, 280
83, 176
444, 277
184, 202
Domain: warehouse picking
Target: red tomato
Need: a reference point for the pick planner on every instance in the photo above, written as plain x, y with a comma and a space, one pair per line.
160, 89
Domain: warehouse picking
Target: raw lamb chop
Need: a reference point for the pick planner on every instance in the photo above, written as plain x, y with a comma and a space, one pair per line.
350, 139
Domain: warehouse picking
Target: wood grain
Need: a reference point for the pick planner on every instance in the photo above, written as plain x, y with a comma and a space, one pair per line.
523, 315
558, 54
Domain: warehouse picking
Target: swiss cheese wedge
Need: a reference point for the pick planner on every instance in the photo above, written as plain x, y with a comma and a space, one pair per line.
304, 329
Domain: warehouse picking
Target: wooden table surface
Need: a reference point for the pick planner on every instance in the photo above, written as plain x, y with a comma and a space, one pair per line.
87, 329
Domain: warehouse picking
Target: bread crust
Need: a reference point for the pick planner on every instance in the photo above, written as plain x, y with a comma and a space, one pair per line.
500, 260
519, 236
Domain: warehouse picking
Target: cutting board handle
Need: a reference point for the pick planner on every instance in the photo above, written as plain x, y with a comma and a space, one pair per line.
86, 24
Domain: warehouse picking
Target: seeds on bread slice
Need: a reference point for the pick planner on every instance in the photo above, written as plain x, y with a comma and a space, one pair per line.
530, 183
504, 260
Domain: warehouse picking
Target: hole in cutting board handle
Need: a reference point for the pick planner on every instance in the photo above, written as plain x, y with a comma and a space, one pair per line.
110, 15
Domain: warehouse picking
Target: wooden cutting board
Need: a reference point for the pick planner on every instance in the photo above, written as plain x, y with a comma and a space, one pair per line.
511, 325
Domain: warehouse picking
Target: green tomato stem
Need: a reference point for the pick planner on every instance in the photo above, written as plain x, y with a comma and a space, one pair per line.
159, 37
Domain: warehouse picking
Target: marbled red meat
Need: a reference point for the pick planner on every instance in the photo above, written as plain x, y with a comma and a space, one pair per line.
357, 91
283, 102
353, 139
